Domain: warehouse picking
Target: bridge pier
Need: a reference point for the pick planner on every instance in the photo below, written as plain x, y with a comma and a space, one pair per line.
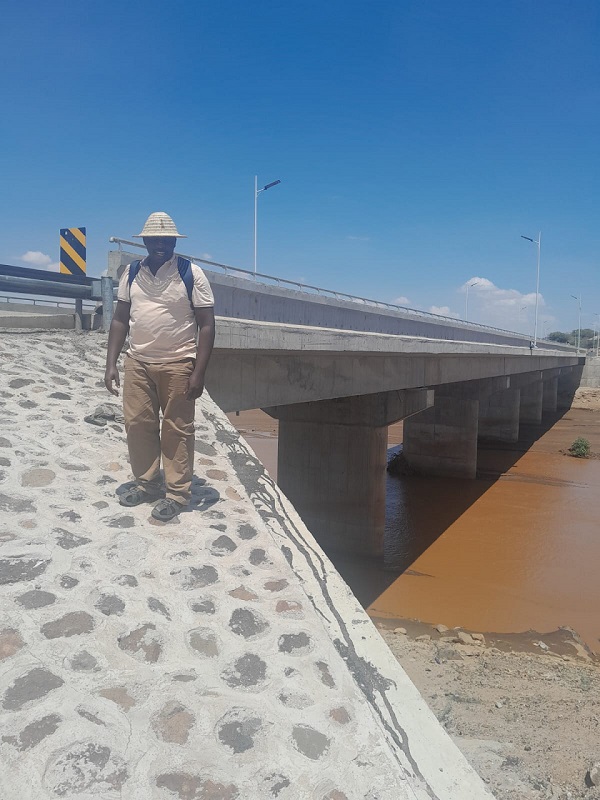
331, 464
550, 396
532, 396
442, 440
499, 416
568, 383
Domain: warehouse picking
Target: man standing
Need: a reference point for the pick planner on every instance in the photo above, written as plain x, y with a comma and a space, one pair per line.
166, 305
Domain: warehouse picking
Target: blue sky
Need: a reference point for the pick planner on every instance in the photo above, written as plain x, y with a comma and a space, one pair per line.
415, 141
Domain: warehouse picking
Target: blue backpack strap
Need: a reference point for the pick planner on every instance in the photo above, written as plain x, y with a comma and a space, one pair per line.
185, 272
134, 268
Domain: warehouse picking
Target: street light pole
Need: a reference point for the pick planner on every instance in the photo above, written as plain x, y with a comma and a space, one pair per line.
475, 283
537, 282
257, 191
597, 334
579, 322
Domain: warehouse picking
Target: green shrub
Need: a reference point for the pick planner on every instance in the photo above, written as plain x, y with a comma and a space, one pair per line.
580, 448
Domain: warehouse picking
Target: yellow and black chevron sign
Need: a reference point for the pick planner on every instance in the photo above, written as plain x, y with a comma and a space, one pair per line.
72, 251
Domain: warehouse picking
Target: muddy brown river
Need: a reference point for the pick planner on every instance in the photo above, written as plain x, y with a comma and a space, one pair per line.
517, 549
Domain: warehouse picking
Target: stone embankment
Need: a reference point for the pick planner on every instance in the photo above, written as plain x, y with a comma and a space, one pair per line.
215, 657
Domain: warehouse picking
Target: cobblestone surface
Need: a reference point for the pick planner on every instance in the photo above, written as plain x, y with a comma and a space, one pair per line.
216, 656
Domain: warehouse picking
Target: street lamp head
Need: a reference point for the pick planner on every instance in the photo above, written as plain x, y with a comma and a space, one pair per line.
529, 239
268, 186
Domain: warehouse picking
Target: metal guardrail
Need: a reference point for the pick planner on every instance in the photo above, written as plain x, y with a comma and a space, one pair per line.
45, 303
307, 288
22, 280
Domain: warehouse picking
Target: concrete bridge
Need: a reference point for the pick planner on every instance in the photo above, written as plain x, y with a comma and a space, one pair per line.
336, 372
221, 656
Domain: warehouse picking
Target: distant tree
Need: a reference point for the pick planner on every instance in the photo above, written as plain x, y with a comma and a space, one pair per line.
559, 336
588, 337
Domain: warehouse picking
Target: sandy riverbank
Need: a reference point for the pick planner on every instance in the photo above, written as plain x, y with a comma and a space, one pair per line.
529, 724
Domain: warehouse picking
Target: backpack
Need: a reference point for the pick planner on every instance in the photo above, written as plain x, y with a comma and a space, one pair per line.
184, 267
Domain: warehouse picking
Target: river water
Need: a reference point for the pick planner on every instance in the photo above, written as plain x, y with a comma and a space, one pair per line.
517, 549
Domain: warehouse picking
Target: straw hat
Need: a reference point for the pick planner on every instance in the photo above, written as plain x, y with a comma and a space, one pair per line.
159, 224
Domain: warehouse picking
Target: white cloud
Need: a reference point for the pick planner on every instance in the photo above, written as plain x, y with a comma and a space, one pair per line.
443, 311
36, 257
401, 301
207, 256
511, 309
41, 260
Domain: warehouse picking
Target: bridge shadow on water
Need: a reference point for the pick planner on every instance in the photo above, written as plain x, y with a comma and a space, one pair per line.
420, 509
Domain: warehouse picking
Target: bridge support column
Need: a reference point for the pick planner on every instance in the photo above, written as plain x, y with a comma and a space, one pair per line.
499, 416
332, 460
443, 440
550, 395
568, 383
531, 403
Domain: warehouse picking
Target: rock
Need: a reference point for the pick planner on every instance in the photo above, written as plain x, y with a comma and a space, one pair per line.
110, 604
120, 696
143, 643
248, 670
32, 686
21, 568
400, 631
325, 675
289, 608
246, 531
10, 643
237, 730
593, 775
83, 662
37, 477
193, 787
463, 638
35, 732
86, 768
276, 586
446, 652
204, 642
72, 624
310, 742
68, 540
294, 643
425, 637
499, 704
173, 723
241, 593
441, 628
340, 715
478, 637
247, 623
542, 645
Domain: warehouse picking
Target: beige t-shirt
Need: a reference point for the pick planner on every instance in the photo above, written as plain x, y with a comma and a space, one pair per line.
162, 325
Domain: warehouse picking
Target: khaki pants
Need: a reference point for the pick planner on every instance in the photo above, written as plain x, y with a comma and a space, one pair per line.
147, 389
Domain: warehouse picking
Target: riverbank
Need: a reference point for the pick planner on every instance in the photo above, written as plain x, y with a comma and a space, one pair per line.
523, 705
529, 724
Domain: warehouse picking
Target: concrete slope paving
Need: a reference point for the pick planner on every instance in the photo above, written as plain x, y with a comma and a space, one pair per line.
215, 657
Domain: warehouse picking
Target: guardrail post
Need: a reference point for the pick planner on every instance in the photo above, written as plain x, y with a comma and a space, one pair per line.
107, 302
78, 315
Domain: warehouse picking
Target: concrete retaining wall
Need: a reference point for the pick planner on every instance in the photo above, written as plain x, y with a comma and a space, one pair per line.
590, 378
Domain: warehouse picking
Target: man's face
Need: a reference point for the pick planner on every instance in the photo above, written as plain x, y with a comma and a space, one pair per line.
160, 248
